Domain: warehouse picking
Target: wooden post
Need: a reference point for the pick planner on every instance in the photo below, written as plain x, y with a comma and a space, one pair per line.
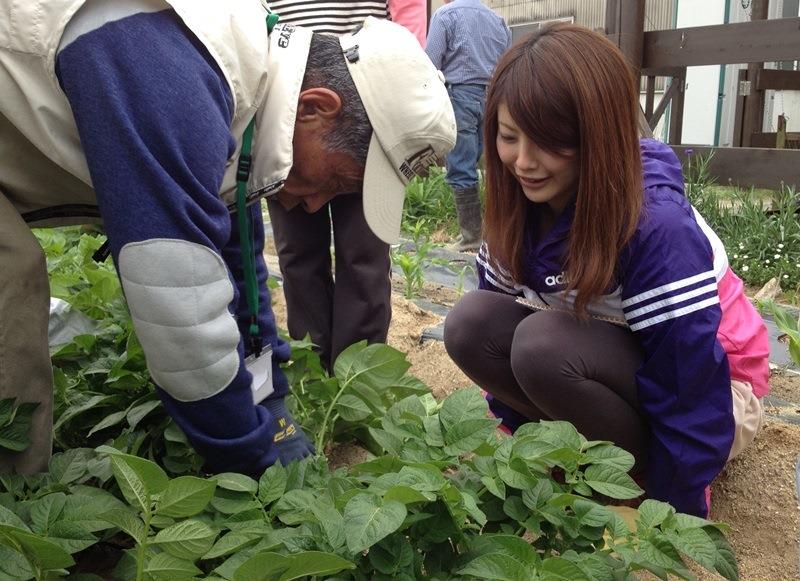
676, 110
739, 114
625, 27
650, 95
753, 116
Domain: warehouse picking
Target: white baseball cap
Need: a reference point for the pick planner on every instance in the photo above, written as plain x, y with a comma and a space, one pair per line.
412, 119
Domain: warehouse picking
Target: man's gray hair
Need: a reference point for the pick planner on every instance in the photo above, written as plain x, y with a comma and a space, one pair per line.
327, 68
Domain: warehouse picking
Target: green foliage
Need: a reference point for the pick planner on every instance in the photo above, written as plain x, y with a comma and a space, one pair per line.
15, 423
429, 205
103, 391
444, 495
788, 325
367, 380
412, 263
761, 235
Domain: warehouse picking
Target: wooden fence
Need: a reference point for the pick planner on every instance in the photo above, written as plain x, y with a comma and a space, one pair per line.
756, 160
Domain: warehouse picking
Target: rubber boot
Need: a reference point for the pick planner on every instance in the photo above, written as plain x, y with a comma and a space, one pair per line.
468, 208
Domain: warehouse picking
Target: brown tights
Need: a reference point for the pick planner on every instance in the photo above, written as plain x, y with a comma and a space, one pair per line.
548, 365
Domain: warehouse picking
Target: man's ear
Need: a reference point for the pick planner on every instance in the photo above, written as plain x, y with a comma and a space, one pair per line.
318, 104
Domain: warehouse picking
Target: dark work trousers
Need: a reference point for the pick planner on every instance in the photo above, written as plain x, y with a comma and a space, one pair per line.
340, 311
548, 365
25, 371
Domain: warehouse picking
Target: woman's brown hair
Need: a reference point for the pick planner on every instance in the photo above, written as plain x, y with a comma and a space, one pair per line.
568, 88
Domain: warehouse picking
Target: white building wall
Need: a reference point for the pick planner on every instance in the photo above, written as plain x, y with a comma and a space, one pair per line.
702, 83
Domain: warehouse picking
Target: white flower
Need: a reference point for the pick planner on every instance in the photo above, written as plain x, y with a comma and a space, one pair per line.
745, 268
736, 256
780, 245
741, 246
777, 256
745, 257
785, 276
766, 261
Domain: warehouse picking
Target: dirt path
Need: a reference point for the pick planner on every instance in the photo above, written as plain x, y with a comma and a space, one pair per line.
755, 494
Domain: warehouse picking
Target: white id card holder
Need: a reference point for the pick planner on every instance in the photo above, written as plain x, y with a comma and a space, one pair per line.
261, 369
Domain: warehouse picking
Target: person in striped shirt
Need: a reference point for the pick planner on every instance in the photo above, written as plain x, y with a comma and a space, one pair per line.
604, 297
355, 304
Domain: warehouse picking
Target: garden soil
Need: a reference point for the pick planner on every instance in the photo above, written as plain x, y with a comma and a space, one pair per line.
755, 494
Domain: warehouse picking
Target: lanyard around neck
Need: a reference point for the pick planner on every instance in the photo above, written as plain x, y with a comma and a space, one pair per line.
245, 226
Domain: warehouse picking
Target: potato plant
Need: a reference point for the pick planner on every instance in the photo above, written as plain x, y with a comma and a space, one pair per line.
444, 495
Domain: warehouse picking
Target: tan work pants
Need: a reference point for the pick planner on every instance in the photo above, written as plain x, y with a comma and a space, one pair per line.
25, 370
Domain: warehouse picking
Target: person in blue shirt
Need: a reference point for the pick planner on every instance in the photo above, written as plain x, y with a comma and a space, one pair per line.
465, 40
170, 121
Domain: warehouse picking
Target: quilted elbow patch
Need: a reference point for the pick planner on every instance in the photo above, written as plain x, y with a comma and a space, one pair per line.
178, 293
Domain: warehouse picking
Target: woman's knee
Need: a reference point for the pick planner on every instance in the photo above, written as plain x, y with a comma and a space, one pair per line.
541, 347
463, 325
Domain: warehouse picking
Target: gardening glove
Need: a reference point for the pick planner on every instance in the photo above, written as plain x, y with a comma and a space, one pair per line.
288, 438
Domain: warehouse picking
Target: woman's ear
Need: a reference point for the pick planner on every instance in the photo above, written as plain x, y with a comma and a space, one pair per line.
318, 104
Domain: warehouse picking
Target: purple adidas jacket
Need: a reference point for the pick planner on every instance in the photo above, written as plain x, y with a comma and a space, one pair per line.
678, 295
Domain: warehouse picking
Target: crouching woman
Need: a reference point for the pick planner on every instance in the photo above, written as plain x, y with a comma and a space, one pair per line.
604, 297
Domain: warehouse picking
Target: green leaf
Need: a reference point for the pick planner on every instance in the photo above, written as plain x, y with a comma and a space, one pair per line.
660, 552
376, 365
294, 507
369, 519
231, 543
331, 521
9, 517
352, 409
494, 485
314, 563
509, 545
236, 482
392, 555
725, 563
467, 435
14, 565
386, 440
69, 466
229, 502
611, 482
561, 434
560, 569
127, 521
610, 455
516, 474
168, 567
85, 504
71, 536
264, 566
695, 544
653, 512
496, 567
462, 405
138, 478
185, 496
434, 436
272, 483
46, 511
139, 412
14, 434
45, 554
591, 514
6, 410
108, 421
407, 495
189, 539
